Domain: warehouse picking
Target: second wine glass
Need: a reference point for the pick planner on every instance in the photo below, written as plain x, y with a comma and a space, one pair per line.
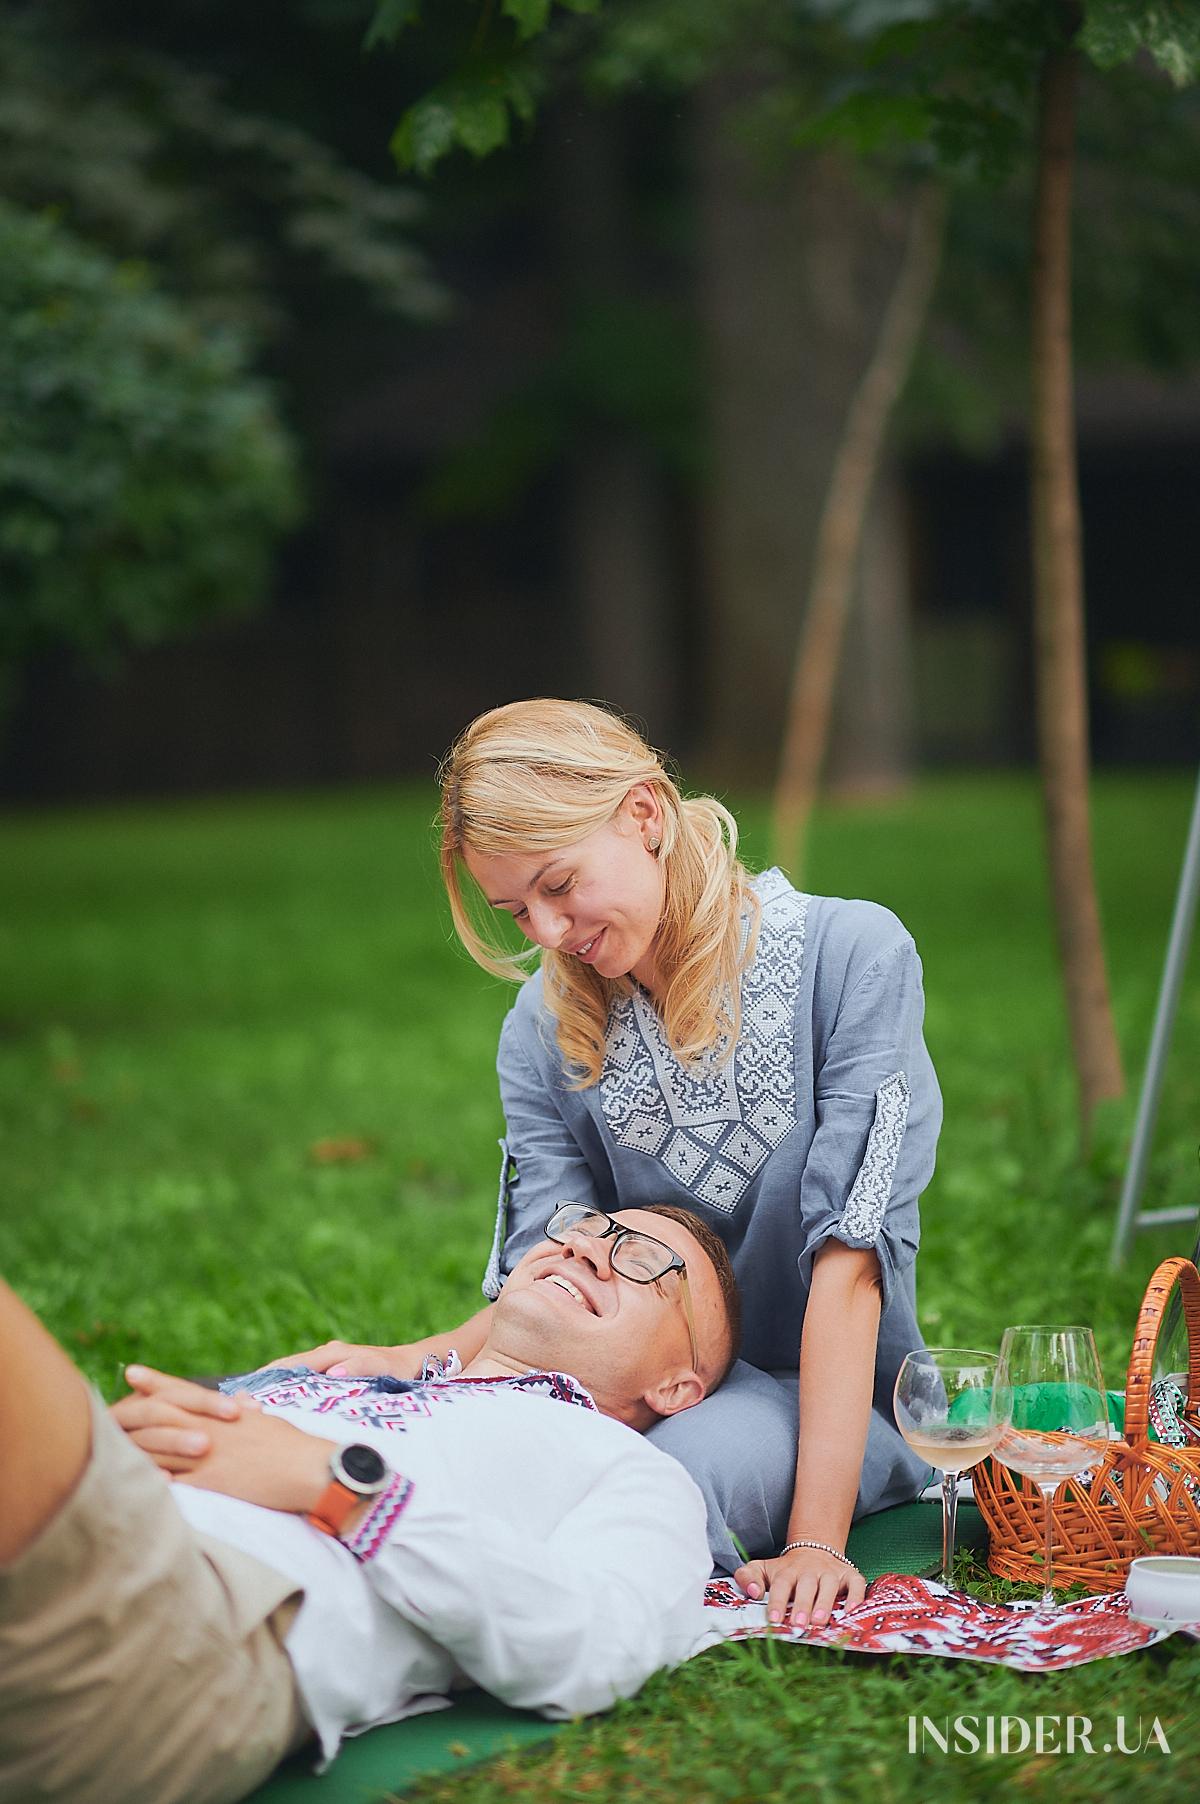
1051, 1400
945, 1409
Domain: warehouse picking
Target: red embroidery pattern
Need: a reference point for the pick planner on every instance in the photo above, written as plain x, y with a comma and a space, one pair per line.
905, 1615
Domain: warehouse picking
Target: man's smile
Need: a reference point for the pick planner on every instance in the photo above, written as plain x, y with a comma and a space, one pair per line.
573, 1291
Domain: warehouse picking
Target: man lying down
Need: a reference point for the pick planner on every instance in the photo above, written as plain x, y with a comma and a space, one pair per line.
336, 1553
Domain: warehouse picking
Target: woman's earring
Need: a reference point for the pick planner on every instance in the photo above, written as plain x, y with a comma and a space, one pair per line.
655, 844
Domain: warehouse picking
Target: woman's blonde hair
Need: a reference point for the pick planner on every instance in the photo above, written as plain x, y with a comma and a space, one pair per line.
535, 776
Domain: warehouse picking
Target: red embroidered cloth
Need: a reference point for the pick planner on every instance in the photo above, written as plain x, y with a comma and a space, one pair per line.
905, 1615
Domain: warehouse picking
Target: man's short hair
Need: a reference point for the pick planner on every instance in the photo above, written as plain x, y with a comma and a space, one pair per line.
712, 1244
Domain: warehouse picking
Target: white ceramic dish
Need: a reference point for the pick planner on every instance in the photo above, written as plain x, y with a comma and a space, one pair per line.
1164, 1589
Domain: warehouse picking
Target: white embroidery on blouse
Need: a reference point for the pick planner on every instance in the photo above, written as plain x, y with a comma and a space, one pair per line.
867, 1201
713, 1128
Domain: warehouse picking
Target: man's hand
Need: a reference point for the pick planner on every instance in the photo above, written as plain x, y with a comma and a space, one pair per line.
342, 1359
170, 1417
249, 1455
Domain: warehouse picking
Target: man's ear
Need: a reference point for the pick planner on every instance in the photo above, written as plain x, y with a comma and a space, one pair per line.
673, 1394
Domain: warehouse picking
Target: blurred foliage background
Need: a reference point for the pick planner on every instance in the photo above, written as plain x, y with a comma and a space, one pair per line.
580, 396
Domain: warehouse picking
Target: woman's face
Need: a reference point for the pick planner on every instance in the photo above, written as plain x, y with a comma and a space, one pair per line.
600, 899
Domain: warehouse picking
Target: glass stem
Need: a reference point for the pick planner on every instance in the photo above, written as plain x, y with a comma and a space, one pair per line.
1047, 1587
949, 1515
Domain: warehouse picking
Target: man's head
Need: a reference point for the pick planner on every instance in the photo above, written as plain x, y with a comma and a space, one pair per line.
565, 1307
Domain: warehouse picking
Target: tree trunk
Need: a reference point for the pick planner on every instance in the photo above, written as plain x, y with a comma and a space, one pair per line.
1058, 598
840, 534
795, 262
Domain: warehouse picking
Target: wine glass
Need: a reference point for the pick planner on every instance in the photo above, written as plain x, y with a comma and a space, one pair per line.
1051, 1402
945, 1409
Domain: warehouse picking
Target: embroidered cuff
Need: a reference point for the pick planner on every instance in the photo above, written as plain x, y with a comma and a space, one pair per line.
493, 1277
868, 1200
375, 1527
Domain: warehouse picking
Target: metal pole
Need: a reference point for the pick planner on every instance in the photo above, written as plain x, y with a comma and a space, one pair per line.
1160, 1039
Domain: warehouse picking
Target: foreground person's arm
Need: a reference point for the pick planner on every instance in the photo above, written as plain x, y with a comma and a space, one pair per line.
837, 1377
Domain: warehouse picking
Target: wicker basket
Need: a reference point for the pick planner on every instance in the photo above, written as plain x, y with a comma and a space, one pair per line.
1142, 1497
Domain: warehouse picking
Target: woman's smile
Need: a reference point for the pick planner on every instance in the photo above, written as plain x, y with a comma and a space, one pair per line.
599, 899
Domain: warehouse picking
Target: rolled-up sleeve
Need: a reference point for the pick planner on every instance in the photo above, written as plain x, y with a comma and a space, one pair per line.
878, 1112
541, 1162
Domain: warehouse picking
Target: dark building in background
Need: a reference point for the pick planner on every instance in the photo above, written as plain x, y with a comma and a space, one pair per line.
521, 502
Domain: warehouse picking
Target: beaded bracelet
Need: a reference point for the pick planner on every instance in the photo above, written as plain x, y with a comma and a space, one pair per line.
821, 1547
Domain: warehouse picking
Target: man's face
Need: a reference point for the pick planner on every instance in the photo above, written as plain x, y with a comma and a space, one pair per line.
566, 1309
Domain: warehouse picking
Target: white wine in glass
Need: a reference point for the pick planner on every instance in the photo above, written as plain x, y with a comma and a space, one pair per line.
945, 1410
1051, 1401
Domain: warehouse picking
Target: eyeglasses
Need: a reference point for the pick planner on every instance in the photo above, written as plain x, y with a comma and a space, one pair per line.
634, 1255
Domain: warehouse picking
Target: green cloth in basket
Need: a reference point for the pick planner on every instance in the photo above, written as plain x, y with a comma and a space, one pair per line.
1048, 1412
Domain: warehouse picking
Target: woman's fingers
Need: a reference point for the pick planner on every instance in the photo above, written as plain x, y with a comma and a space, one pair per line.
367, 1362
828, 1586
342, 1359
801, 1585
791, 1589
752, 1578
317, 1359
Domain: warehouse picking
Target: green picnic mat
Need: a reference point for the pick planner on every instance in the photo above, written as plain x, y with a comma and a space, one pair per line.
376, 1766
385, 1761
909, 1538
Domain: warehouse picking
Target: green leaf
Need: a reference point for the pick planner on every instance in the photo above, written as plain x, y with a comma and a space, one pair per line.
391, 17
1114, 31
481, 123
472, 111
424, 135
530, 16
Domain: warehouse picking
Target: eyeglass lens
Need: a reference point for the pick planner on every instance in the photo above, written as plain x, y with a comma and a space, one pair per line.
634, 1255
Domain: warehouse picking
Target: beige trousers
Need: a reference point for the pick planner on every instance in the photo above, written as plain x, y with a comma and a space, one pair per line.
140, 1662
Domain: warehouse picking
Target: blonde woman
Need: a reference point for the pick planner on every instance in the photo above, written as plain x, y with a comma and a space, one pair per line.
693, 1035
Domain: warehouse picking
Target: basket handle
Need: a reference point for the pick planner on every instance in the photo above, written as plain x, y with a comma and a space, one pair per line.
1141, 1360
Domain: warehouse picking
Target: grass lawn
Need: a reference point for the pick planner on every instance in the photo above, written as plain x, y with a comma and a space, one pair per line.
247, 1101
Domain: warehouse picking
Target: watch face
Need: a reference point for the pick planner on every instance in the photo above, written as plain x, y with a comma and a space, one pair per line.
362, 1465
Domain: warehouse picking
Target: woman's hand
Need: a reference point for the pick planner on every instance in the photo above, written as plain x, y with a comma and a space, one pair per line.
803, 1582
342, 1359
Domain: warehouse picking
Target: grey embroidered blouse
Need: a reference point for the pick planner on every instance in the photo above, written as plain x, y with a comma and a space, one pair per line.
823, 1125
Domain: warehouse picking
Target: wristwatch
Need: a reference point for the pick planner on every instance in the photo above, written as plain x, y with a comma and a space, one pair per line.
356, 1471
